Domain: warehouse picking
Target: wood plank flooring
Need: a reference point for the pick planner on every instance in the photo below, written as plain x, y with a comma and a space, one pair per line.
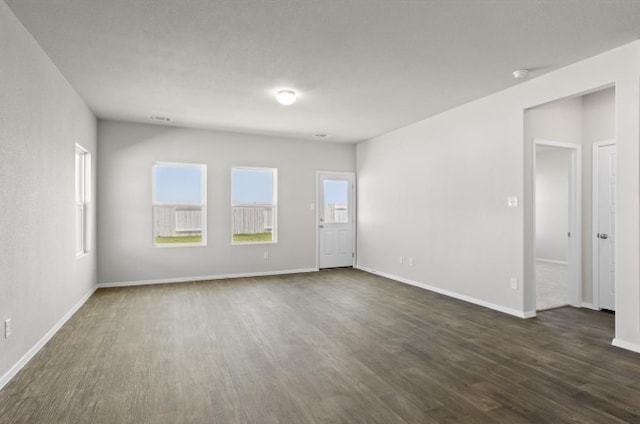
338, 346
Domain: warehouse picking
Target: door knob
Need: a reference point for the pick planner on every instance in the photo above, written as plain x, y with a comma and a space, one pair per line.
320, 226
603, 236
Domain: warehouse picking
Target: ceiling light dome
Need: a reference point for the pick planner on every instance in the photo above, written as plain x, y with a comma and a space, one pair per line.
520, 74
286, 97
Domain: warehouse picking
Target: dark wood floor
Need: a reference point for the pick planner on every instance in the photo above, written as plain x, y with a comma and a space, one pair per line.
336, 346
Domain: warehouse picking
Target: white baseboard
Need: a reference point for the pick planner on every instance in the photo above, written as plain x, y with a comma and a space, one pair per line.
589, 306
36, 348
626, 345
204, 278
500, 308
552, 261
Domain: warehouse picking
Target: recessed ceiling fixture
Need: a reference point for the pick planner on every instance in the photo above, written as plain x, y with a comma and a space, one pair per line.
159, 118
321, 135
521, 74
286, 97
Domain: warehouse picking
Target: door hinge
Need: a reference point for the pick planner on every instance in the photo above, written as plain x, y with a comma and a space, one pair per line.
353, 255
569, 234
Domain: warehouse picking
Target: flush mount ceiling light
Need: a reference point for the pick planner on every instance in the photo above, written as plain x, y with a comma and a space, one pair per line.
286, 97
521, 74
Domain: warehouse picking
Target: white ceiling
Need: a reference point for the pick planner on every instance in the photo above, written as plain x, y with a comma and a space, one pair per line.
361, 67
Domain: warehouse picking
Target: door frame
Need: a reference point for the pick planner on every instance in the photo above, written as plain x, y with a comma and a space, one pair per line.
353, 199
595, 266
575, 220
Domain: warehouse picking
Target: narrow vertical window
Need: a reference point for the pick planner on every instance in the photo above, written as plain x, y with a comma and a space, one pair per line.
179, 204
254, 205
81, 197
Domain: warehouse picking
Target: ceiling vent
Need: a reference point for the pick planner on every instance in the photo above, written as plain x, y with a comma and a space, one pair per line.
159, 118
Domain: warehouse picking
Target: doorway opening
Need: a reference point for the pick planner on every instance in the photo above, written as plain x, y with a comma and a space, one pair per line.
557, 177
575, 125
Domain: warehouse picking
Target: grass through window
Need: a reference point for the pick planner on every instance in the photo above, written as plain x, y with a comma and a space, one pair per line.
178, 239
252, 237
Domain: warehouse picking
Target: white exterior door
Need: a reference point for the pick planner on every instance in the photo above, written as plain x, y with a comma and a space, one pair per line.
605, 225
335, 215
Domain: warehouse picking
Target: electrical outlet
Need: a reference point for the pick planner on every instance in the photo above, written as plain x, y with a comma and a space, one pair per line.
7, 328
410, 261
265, 256
400, 260
514, 283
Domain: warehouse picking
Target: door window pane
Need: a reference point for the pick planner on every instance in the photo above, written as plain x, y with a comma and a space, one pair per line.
336, 202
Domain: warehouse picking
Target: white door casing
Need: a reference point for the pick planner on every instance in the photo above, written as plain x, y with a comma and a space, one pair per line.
335, 219
604, 202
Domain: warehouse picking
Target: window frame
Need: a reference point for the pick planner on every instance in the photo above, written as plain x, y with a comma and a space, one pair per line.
82, 181
178, 205
273, 205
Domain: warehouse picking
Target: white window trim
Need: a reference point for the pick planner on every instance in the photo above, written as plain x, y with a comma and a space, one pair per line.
274, 230
203, 206
83, 203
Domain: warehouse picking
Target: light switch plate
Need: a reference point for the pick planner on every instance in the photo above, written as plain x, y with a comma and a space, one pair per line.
512, 201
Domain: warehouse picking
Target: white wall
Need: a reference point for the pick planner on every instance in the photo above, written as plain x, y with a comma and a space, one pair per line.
552, 203
126, 152
41, 119
436, 191
599, 118
453, 173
